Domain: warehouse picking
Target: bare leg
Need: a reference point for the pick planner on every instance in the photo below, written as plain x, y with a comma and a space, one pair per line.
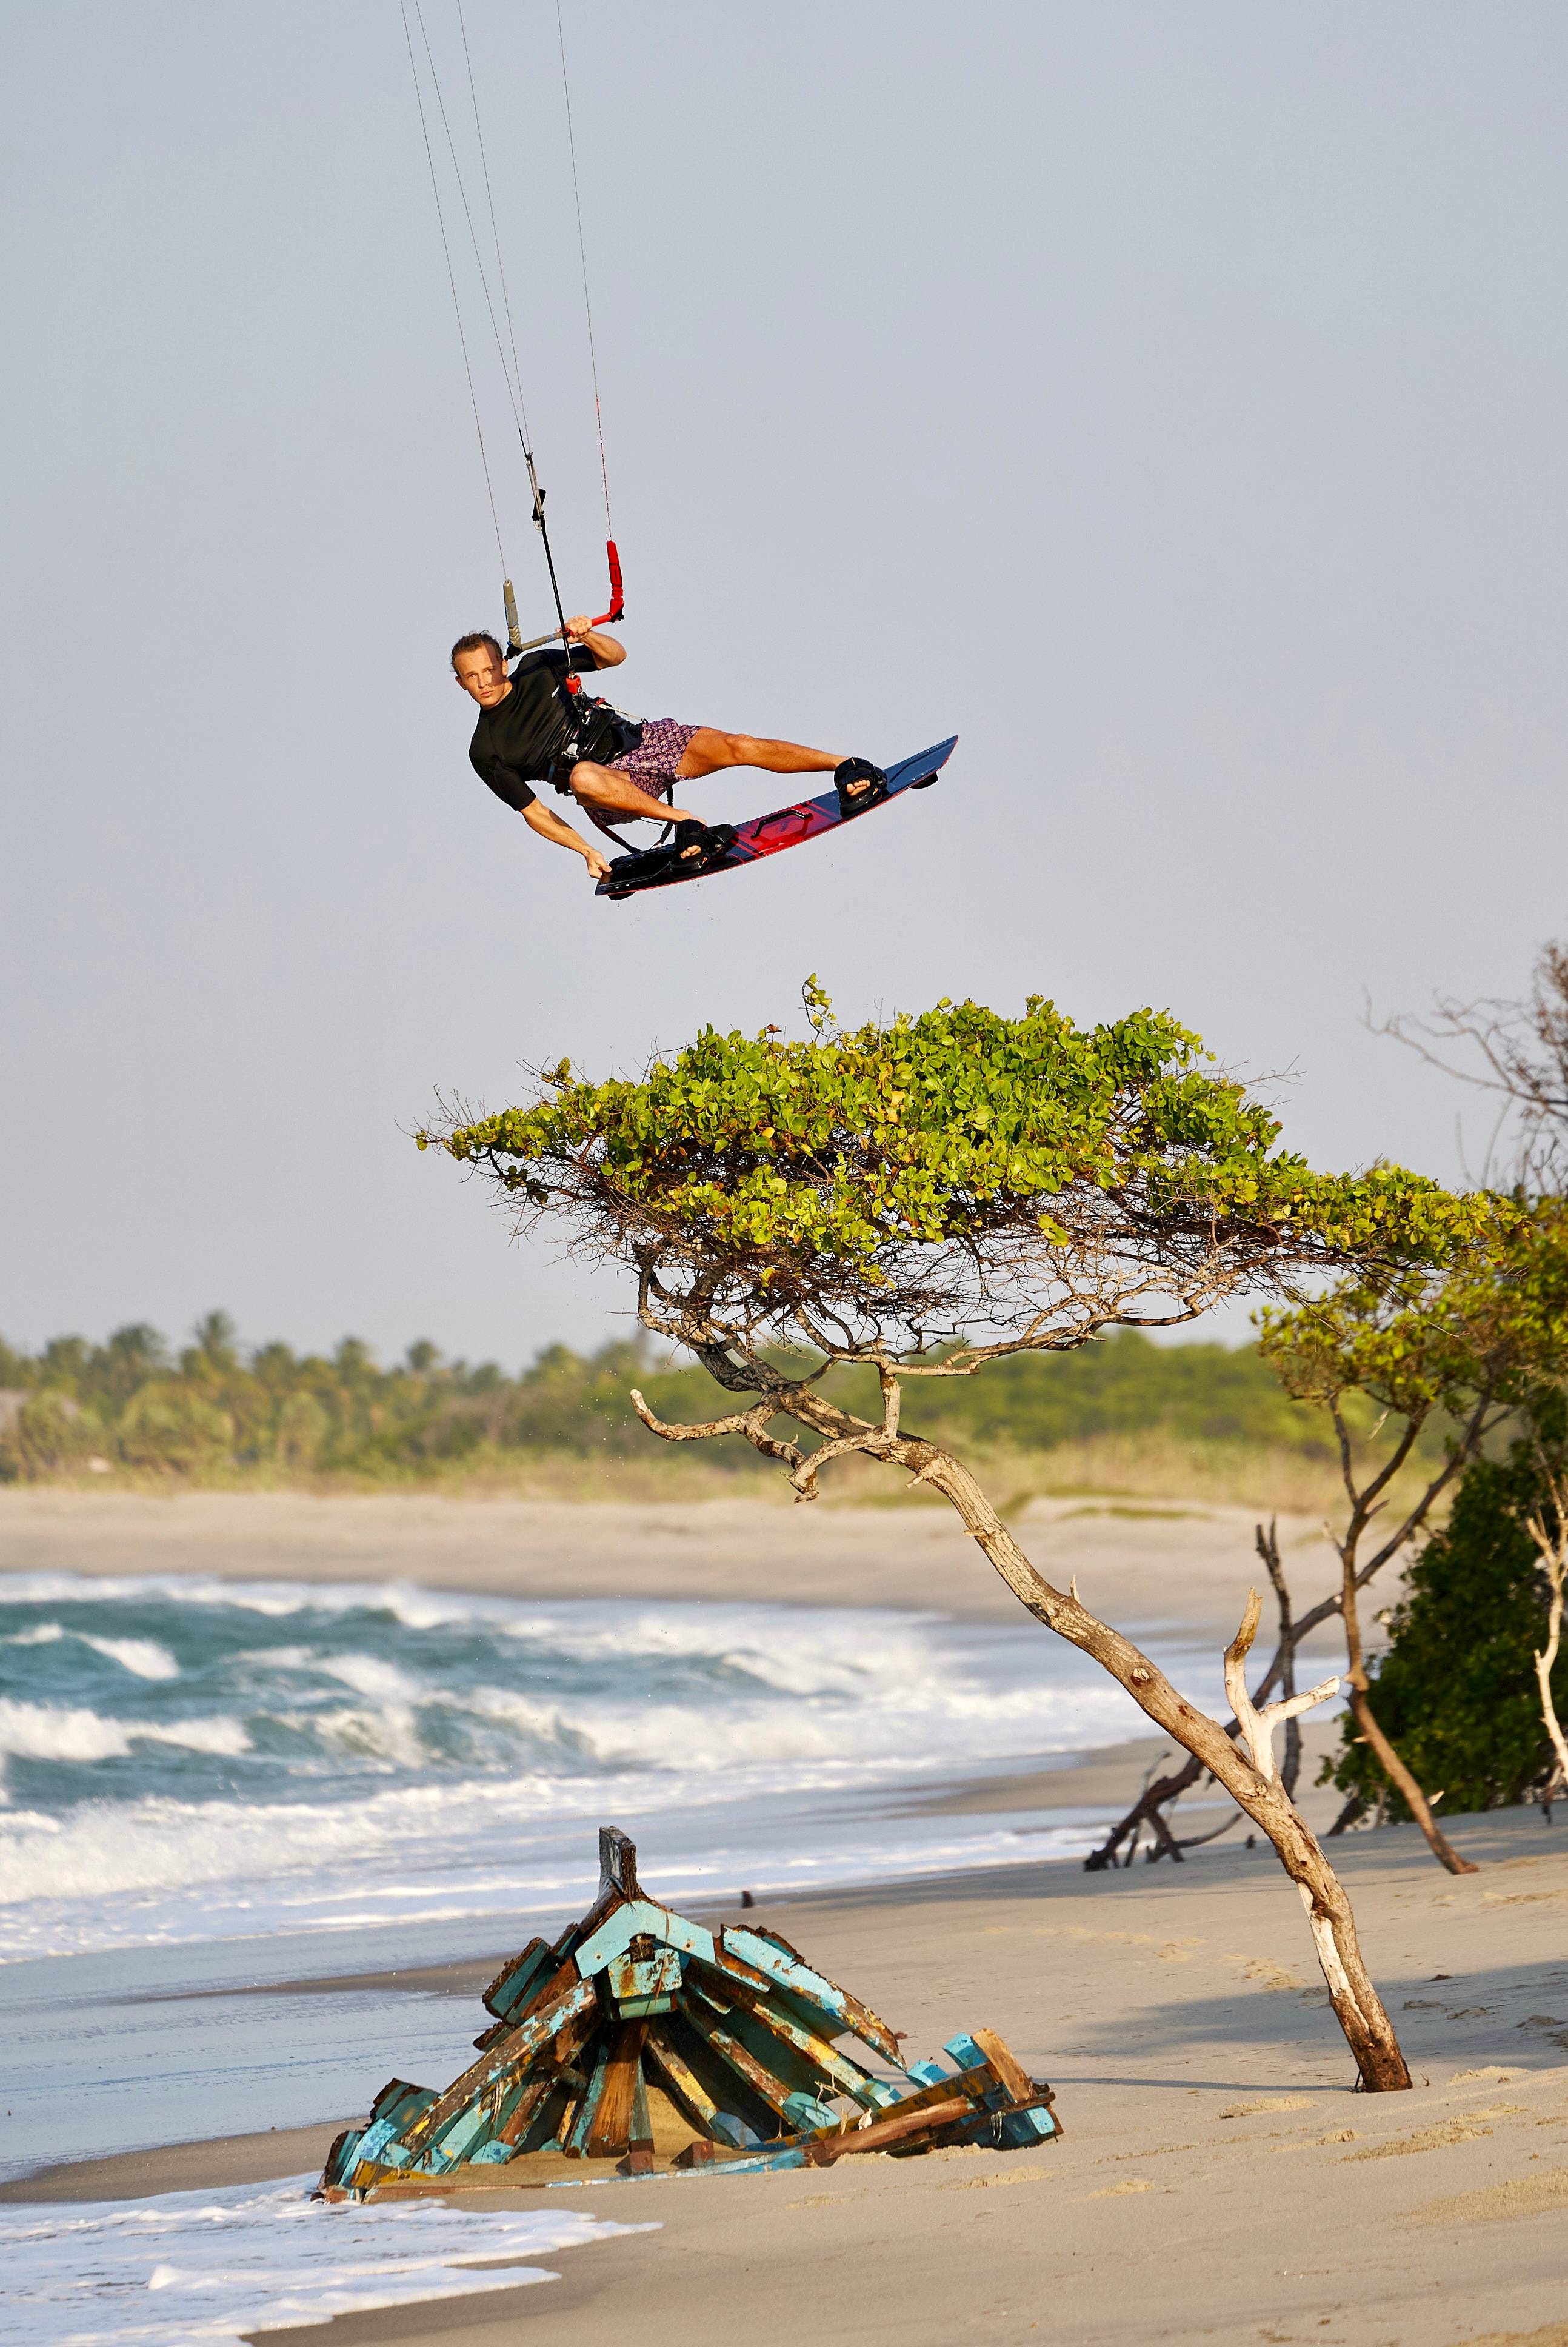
709, 751
613, 793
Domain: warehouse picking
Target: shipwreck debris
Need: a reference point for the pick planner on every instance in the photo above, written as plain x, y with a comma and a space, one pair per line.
637, 2027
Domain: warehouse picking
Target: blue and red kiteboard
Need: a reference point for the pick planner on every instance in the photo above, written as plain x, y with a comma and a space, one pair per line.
767, 835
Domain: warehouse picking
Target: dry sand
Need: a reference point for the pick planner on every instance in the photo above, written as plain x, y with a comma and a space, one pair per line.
1218, 2180
1187, 1566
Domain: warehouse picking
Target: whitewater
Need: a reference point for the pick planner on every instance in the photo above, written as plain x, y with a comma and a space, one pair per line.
184, 1759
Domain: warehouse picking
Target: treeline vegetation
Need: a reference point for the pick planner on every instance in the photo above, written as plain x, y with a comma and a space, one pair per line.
217, 1409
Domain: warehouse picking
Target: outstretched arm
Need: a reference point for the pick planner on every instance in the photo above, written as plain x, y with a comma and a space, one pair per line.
549, 827
606, 650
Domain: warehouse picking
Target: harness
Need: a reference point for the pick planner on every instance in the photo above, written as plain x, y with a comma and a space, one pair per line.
600, 732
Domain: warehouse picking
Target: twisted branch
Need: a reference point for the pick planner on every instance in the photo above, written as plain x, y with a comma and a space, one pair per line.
1258, 1723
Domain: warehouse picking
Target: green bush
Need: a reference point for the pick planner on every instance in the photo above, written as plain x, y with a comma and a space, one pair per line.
1456, 1691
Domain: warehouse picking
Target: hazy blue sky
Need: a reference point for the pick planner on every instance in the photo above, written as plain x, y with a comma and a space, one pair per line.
1168, 399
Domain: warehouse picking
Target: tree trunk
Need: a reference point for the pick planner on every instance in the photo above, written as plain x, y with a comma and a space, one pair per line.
1367, 2029
1267, 1545
1553, 1548
1393, 1768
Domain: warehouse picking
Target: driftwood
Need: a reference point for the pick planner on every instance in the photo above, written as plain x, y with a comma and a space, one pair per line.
1160, 1793
637, 2013
1366, 1503
1548, 1528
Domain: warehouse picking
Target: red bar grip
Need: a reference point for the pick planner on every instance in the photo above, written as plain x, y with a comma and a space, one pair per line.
617, 592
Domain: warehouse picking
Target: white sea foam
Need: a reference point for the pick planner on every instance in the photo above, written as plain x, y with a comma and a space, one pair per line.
41, 1731
142, 1656
367, 1674
219, 1735
210, 2266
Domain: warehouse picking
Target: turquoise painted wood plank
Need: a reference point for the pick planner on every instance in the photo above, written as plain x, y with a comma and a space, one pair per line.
467, 2128
582, 2126
514, 1984
373, 2141
668, 1929
513, 2055
791, 1970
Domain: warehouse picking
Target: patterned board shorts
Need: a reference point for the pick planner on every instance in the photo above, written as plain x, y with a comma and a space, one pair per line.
652, 764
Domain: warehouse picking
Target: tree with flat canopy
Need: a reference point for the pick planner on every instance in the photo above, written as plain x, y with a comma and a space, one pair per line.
930, 1195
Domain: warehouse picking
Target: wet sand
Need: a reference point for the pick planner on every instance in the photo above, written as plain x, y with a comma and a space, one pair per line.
1218, 2180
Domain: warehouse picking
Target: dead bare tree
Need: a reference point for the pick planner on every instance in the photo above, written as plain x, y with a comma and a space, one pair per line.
1366, 1499
1517, 1052
1159, 1794
1252, 1782
1548, 1528
1152, 1808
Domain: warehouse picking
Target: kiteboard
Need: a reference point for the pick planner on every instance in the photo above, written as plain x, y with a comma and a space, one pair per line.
768, 835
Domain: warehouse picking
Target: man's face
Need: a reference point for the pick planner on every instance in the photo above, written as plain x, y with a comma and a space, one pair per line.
481, 676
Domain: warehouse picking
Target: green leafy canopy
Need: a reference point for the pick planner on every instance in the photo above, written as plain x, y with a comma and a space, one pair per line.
1490, 1321
947, 1168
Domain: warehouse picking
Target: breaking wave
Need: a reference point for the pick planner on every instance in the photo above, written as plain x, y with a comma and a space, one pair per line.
182, 1759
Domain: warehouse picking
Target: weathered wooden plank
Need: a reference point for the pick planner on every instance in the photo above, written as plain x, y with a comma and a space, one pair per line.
824, 2057
610, 2134
683, 2086
520, 2117
773, 2091
615, 1934
781, 1962
512, 2055
822, 2151
576, 2144
510, 1987
1020, 2085
639, 2134
641, 1983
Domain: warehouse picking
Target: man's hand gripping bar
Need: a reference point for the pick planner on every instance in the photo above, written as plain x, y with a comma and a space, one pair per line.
515, 643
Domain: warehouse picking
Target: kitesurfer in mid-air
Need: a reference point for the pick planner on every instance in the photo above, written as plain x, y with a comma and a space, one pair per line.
533, 730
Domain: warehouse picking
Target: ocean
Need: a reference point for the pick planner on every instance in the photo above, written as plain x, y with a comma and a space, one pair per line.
185, 1760
210, 1787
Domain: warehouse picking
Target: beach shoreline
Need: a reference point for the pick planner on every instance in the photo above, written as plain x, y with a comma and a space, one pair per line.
1177, 2011
1217, 2165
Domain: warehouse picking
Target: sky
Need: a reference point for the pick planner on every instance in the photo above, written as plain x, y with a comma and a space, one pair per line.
1167, 400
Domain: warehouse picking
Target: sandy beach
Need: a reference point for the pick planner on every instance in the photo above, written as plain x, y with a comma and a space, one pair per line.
1218, 2179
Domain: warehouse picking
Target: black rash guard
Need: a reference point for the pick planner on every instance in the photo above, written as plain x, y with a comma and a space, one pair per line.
517, 742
